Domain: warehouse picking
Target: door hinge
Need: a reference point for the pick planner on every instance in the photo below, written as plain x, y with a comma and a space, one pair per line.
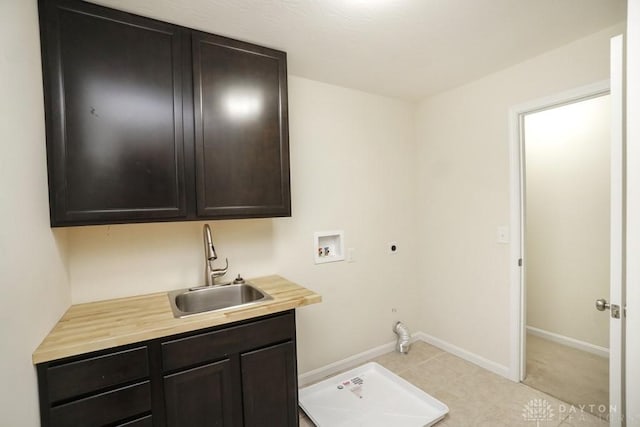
519, 262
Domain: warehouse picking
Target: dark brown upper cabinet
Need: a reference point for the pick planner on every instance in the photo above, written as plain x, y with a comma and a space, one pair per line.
241, 134
149, 121
113, 96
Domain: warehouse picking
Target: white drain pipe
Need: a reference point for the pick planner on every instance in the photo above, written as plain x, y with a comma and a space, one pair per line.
403, 338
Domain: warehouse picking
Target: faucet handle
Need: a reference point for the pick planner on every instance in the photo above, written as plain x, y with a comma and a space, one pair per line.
218, 272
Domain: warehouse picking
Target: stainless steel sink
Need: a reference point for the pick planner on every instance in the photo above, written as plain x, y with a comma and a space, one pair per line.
207, 299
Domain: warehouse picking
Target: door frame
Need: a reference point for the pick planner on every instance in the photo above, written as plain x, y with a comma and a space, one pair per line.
517, 366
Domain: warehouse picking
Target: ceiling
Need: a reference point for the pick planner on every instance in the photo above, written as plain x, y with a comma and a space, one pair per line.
402, 48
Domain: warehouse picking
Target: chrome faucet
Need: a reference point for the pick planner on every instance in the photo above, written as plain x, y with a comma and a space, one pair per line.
210, 273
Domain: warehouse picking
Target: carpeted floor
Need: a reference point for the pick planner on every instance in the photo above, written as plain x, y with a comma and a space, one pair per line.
568, 374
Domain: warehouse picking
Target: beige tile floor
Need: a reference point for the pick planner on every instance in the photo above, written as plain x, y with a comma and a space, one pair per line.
475, 396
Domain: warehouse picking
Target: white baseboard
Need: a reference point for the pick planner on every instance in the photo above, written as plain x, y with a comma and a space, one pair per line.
570, 342
348, 363
360, 358
476, 359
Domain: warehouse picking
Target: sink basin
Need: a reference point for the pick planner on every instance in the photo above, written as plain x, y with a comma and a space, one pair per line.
207, 299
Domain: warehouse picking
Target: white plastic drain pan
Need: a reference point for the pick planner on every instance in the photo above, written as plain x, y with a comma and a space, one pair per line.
371, 396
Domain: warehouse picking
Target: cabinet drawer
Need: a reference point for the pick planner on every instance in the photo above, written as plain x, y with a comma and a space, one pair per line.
105, 408
197, 349
89, 375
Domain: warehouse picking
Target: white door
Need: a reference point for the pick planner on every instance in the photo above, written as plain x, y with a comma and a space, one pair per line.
614, 306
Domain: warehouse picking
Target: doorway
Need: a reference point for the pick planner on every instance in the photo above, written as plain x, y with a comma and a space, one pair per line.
566, 205
611, 305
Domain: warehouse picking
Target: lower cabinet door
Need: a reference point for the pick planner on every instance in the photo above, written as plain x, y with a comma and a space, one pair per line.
270, 386
201, 396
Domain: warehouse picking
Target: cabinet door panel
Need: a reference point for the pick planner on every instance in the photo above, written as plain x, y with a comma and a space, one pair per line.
269, 386
114, 114
241, 133
201, 396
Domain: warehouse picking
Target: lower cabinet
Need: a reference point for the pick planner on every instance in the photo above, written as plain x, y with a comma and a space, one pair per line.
269, 386
242, 374
201, 396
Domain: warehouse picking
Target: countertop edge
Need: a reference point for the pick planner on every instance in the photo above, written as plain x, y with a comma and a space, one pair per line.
43, 354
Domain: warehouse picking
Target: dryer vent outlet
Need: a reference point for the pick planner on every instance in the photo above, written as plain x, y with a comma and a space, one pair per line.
403, 345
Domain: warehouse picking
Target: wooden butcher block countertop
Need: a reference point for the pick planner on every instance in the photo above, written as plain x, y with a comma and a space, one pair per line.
107, 324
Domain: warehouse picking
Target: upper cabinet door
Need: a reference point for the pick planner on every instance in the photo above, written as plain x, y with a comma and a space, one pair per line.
241, 131
113, 100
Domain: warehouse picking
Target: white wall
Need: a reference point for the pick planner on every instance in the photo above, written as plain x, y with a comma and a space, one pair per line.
34, 288
633, 215
132, 259
463, 192
351, 168
567, 156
